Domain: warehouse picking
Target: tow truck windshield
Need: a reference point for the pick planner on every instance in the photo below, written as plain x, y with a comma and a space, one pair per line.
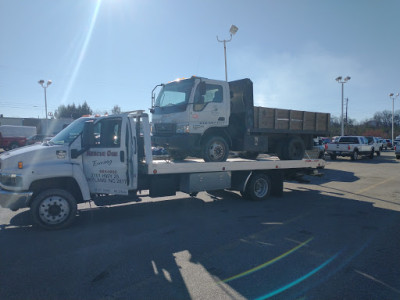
69, 134
174, 97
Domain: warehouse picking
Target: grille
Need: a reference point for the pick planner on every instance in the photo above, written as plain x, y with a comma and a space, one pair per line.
164, 129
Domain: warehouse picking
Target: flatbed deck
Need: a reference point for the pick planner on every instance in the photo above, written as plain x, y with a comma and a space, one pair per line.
233, 164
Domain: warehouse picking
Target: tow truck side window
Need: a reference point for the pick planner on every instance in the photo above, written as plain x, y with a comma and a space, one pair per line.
108, 133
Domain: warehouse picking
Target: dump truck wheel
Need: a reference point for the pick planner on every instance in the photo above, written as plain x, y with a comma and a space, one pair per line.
294, 148
215, 149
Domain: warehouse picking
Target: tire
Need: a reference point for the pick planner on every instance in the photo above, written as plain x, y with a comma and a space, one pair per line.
371, 155
53, 209
215, 149
321, 155
177, 155
333, 156
259, 187
397, 156
378, 153
354, 156
294, 149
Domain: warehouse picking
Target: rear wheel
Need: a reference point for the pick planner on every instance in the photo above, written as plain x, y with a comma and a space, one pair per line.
259, 187
294, 149
54, 209
333, 156
215, 149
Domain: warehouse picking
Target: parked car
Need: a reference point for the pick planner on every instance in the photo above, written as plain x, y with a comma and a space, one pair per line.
397, 149
389, 143
37, 138
384, 143
353, 146
375, 142
319, 147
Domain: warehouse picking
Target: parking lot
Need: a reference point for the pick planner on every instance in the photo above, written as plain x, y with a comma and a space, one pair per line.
335, 237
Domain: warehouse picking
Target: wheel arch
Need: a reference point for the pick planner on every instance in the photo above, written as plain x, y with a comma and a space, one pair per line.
66, 183
216, 132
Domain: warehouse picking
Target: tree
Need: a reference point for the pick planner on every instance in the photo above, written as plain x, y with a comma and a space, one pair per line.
116, 110
72, 111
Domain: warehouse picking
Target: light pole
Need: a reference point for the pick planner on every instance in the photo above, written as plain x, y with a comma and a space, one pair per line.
232, 32
339, 80
393, 96
41, 82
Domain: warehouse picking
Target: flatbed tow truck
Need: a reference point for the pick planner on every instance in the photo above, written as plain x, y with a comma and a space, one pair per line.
96, 157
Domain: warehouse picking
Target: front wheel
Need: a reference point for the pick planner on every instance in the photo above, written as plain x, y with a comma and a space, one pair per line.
371, 155
259, 187
354, 156
215, 149
54, 209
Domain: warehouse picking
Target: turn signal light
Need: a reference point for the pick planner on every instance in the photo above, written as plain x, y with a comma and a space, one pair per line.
20, 165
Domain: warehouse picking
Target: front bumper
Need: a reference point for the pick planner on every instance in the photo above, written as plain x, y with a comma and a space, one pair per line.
14, 200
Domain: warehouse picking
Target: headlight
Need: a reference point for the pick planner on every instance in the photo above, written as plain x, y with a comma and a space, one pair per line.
11, 179
182, 128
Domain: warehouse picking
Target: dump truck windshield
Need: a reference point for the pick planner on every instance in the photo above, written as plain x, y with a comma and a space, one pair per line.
174, 96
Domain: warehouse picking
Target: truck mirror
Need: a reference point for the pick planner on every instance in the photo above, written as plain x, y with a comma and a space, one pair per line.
88, 135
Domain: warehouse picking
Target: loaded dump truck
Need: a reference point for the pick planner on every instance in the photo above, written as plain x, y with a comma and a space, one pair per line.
208, 118
99, 157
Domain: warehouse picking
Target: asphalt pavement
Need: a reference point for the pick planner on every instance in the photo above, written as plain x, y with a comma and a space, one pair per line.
336, 237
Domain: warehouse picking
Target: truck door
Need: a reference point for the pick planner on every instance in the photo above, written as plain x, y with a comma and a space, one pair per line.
209, 108
106, 164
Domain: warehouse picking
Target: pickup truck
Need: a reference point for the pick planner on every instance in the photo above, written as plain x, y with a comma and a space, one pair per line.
207, 118
353, 146
376, 143
96, 157
11, 142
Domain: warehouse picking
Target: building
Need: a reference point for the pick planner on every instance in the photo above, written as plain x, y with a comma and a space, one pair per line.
47, 127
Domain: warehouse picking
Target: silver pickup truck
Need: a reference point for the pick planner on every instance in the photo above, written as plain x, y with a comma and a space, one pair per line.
353, 146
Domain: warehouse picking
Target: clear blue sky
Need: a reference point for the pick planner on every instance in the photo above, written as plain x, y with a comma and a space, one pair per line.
113, 52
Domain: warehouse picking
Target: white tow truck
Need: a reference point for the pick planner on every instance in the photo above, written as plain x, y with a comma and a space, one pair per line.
96, 157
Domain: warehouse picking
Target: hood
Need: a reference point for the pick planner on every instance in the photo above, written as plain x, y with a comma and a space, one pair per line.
31, 155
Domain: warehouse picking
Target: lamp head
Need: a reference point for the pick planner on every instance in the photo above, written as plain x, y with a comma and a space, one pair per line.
233, 29
391, 95
41, 82
347, 78
49, 82
338, 78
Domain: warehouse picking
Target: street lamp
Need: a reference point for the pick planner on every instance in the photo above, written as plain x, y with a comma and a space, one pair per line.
232, 32
339, 80
41, 82
393, 96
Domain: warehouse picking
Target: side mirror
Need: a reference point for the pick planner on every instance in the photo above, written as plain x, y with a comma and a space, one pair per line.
88, 135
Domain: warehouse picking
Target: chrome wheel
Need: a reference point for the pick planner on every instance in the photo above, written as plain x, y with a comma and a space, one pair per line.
54, 210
